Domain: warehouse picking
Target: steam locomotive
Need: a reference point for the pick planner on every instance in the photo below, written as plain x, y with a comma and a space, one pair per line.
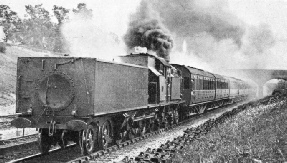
98, 103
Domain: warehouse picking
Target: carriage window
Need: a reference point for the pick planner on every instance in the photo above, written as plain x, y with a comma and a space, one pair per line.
201, 83
186, 83
196, 83
210, 84
192, 84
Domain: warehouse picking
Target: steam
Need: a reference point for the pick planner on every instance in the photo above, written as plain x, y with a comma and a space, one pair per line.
86, 35
146, 30
215, 39
259, 40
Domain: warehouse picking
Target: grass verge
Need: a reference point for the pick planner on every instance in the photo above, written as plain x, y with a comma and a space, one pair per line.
257, 134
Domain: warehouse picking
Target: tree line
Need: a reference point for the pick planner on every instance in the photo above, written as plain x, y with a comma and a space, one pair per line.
37, 29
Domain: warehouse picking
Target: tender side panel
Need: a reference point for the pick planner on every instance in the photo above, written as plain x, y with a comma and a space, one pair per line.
119, 87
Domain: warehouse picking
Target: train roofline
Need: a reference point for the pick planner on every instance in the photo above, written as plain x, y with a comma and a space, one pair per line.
96, 59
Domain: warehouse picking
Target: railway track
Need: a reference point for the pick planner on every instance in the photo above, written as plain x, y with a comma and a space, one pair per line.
7, 118
11, 140
5, 121
17, 147
18, 139
117, 153
38, 157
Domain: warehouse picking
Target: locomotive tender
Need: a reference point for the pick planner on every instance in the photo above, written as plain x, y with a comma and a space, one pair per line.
97, 103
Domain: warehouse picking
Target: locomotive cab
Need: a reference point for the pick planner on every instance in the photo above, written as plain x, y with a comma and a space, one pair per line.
164, 80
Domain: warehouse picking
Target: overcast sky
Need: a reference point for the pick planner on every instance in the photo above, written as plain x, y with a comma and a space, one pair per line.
272, 12
113, 14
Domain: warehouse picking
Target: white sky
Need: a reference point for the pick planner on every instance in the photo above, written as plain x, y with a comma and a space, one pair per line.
113, 14
254, 12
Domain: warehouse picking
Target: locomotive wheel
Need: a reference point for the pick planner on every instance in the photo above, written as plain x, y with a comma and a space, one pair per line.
123, 137
155, 125
149, 126
63, 140
82, 141
106, 135
143, 129
91, 139
176, 117
132, 134
44, 141
170, 119
164, 123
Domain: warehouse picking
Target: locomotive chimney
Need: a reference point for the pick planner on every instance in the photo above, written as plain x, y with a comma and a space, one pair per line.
143, 50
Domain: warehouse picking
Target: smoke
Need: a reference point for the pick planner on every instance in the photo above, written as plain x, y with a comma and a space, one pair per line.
213, 35
85, 39
96, 29
259, 40
188, 18
146, 30
215, 39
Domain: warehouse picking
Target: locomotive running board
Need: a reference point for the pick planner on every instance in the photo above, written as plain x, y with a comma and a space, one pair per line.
142, 107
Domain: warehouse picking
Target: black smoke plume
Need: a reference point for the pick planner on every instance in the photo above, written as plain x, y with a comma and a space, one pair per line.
146, 30
187, 19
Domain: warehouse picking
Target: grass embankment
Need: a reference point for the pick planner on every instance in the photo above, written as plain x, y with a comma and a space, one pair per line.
8, 67
257, 134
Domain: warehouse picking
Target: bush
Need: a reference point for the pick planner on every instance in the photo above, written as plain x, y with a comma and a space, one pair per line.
2, 47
